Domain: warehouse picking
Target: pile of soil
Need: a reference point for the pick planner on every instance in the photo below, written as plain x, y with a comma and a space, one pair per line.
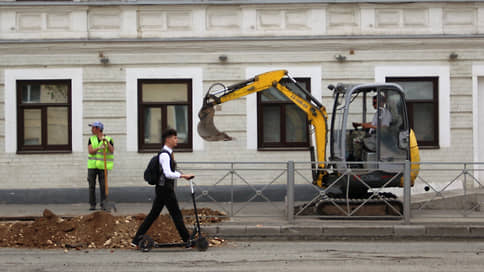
96, 230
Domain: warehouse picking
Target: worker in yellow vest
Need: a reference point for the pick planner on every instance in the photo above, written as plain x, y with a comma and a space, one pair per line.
98, 143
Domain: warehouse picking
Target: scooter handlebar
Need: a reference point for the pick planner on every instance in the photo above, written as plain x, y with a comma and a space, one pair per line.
191, 184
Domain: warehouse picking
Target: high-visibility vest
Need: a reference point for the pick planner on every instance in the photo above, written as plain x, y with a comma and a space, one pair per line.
96, 161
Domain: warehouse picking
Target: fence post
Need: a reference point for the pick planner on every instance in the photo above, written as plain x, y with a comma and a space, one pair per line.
406, 192
232, 171
290, 192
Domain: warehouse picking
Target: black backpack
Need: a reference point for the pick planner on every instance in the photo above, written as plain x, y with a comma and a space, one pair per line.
153, 170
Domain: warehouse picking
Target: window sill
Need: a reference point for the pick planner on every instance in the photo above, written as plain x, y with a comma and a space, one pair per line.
158, 150
428, 147
27, 152
283, 149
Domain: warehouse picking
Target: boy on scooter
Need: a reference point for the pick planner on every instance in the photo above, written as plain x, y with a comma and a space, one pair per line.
165, 191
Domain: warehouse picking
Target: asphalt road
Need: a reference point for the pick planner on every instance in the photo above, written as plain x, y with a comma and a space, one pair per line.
261, 256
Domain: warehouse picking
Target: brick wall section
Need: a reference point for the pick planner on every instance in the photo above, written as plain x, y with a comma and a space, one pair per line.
104, 100
104, 96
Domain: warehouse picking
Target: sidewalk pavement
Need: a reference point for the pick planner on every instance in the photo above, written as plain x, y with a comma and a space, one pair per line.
255, 221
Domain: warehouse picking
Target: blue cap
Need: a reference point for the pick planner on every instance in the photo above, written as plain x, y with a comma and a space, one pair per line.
97, 124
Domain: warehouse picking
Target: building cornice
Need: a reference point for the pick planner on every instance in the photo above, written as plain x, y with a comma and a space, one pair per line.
248, 39
216, 2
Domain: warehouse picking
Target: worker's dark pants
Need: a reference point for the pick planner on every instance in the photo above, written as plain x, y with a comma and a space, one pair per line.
165, 195
91, 178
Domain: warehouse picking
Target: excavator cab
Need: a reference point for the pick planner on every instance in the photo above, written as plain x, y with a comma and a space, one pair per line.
384, 138
370, 134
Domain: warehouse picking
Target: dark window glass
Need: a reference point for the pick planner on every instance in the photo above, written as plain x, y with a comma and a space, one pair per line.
281, 124
421, 94
44, 115
164, 104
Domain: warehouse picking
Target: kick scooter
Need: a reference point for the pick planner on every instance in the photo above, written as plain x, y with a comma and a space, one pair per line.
196, 238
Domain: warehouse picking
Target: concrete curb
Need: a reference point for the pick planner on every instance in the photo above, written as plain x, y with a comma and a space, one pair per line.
274, 227
139, 194
345, 232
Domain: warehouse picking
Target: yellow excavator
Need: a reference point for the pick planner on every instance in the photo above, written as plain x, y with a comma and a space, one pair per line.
372, 150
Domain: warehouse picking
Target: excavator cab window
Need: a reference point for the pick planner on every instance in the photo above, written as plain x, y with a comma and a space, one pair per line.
367, 126
337, 131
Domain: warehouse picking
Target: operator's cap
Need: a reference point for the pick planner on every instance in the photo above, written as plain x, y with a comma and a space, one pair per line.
97, 124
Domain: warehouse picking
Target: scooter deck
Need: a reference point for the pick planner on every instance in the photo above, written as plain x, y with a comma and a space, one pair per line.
147, 243
168, 245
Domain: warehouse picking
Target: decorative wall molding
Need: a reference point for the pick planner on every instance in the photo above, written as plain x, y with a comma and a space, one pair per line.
185, 21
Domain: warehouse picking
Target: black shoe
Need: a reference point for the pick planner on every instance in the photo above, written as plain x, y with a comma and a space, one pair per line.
189, 244
92, 208
135, 241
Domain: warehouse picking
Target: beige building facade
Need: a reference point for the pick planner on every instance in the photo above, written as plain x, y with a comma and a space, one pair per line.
110, 53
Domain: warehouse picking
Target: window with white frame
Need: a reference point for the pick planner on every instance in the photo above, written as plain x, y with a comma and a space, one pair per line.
281, 124
44, 116
422, 99
163, 104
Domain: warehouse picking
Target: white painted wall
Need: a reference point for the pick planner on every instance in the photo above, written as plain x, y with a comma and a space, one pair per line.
185, 41
478, 115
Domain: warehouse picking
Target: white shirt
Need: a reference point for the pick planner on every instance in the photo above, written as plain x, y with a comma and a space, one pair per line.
165, 164
385, 117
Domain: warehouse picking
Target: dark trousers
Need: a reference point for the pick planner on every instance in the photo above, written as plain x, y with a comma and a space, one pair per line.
91, 178
165, 195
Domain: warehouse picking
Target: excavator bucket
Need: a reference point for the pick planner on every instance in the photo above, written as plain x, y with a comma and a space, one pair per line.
206, 126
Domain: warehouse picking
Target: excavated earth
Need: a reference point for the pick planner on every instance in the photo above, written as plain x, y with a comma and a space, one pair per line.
96, 230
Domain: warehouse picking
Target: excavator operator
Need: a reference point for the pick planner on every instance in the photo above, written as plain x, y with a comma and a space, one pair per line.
362, 139
385, 116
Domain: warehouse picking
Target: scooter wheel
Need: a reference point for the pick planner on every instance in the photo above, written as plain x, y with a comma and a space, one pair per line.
201, 244
146, 243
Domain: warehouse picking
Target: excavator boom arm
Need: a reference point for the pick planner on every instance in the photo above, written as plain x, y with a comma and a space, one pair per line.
255, 84
315, 112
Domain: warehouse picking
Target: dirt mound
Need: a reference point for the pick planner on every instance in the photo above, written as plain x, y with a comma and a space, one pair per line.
96, 230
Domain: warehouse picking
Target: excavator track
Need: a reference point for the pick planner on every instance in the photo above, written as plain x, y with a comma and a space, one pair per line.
341, 207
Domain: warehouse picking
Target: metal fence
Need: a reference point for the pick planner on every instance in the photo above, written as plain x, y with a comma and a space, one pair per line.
346, 207
240, 189
459, 192
285, 189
